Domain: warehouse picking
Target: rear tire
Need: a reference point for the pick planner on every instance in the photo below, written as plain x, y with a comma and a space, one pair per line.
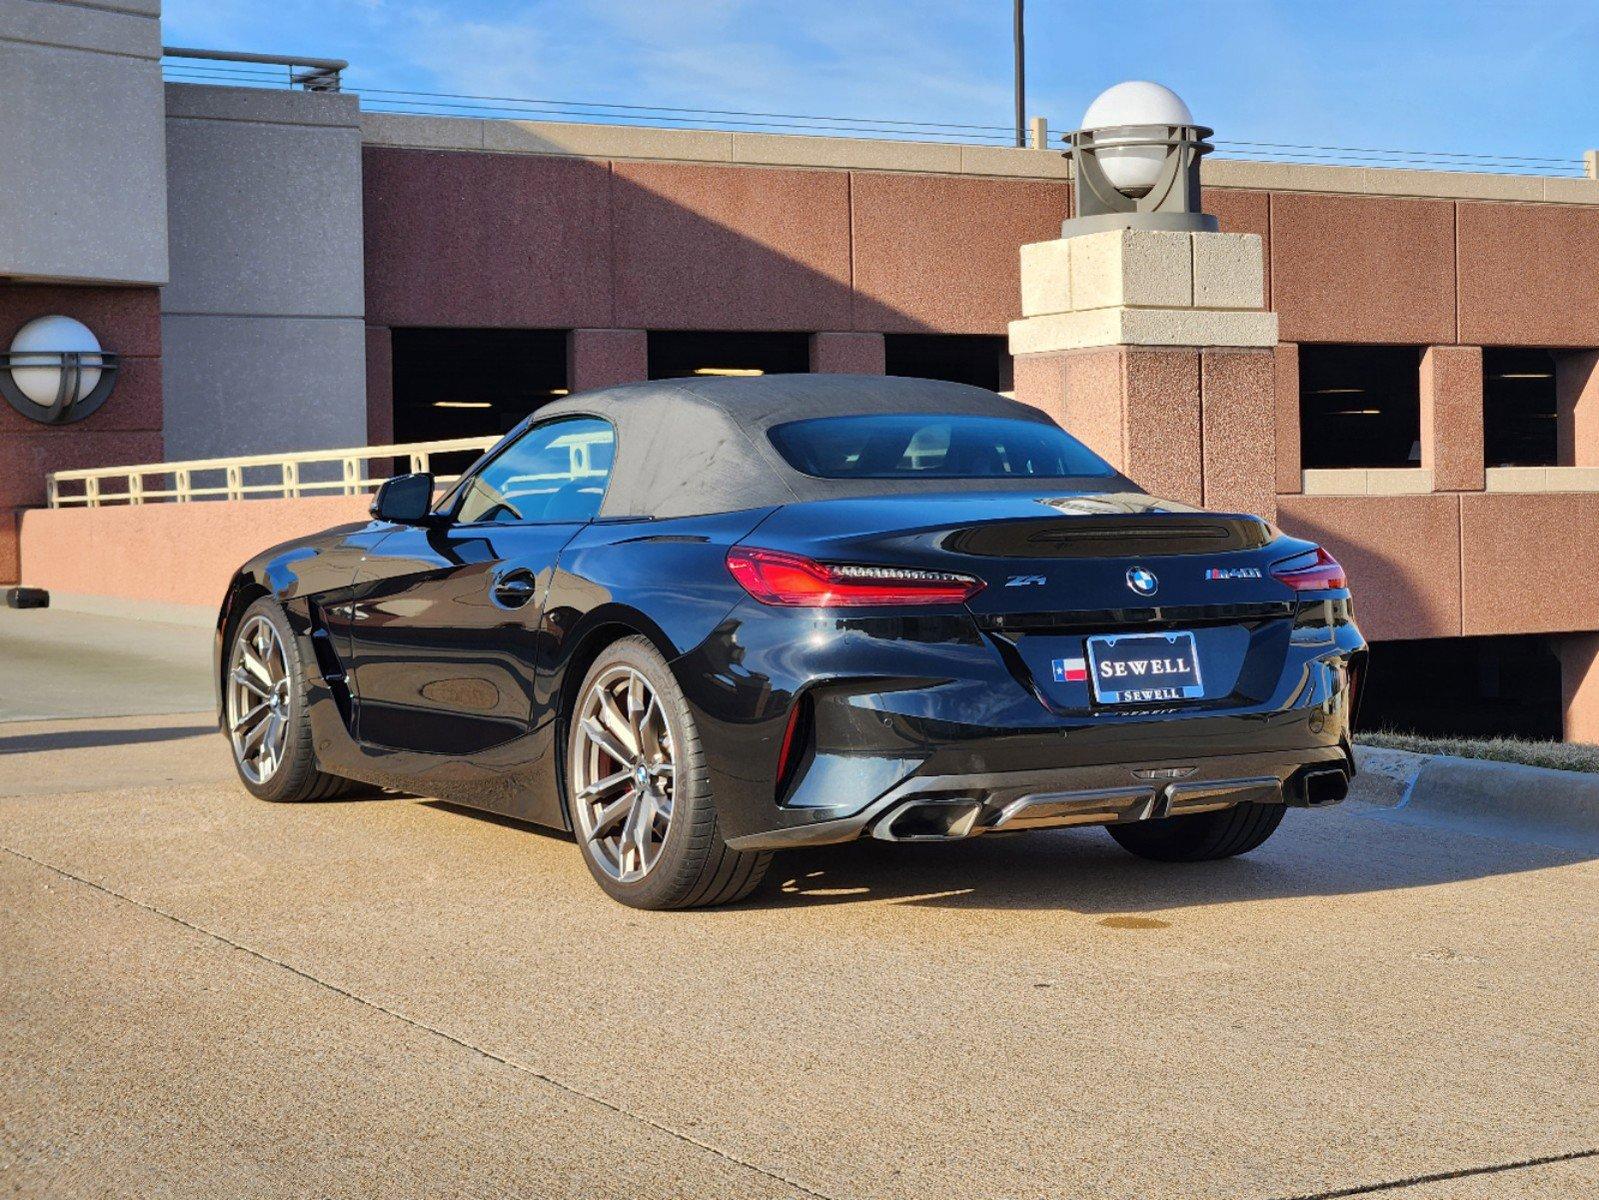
1200, 837
664, 848
273, 689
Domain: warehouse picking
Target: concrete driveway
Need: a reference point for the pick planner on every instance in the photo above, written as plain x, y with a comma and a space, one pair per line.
59, 663
205, 995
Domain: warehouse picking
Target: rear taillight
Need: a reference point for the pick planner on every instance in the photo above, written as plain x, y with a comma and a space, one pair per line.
773, 577
1313, 571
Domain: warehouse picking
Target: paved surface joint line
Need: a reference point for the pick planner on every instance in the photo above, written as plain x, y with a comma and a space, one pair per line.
1393, 1185
416, 1023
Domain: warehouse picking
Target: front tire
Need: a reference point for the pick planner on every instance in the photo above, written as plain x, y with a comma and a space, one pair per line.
1200, 837
639, 792
264, 713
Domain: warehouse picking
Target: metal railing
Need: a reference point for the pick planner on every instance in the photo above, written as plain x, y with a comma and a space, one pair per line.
250, 476
239, 67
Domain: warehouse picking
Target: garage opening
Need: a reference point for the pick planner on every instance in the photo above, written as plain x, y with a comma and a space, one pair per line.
1465, 687
687, 355
979, 359
1518, 408
1360, 406
453, 383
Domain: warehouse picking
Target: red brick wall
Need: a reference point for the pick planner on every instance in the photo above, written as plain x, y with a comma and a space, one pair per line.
126, 429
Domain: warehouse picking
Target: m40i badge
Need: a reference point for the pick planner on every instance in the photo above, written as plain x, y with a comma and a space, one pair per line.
1232, 573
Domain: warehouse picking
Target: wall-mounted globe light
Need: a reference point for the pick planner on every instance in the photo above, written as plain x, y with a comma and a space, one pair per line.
55, 371
1136, 163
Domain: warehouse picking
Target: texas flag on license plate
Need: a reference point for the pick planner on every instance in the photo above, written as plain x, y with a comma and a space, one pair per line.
1071, 670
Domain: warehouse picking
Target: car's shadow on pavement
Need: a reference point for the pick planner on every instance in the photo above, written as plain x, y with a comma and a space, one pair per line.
84, 739
1313, 854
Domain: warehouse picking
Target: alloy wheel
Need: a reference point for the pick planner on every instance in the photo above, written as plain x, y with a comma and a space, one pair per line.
623, 774
258, 700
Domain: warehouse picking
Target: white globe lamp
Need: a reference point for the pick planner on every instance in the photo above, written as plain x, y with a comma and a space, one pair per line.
1138, 111
55, 370
1135, 163
43, 341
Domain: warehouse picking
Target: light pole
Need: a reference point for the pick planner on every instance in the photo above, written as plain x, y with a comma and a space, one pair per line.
1021, 77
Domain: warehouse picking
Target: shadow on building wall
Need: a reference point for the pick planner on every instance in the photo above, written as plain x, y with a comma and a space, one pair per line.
475, 240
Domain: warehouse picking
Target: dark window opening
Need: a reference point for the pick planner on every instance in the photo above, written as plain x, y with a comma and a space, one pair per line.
979, 359
675, 355
1359, 406
1465, 687
1518, 408
454, 383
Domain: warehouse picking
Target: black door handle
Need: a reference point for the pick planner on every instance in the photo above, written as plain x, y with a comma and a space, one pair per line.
513, 589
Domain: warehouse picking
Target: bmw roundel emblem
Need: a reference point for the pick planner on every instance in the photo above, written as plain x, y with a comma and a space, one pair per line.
1142, 580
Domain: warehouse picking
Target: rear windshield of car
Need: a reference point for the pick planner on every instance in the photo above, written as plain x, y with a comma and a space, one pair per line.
933, 446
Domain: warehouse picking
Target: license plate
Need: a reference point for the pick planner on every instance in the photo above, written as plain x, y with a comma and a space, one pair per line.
1144, 668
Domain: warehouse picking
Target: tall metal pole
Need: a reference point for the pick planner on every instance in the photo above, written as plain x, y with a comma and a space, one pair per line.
1021, 78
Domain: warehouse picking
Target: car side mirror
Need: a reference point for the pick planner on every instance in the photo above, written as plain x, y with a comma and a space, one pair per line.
405, 499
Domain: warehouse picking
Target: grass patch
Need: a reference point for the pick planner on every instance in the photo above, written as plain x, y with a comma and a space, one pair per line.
1559, 756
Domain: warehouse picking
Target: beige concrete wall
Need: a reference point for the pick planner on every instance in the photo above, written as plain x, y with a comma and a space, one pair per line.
166, 553
1529, 562
1464, 563
1402, 554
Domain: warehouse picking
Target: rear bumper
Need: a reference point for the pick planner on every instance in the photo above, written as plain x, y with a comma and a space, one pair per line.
892, 708
948, 807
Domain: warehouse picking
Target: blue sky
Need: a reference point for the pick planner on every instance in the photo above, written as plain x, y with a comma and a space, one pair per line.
1504, 78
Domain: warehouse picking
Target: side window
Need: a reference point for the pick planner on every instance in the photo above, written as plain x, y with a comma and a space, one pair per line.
553, 472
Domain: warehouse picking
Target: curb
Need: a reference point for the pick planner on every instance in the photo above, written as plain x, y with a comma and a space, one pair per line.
1492, 799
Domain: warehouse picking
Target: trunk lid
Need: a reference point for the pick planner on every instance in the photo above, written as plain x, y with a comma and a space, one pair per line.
1061, 570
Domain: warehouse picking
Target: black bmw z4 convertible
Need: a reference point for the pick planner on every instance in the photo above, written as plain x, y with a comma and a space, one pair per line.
697, 622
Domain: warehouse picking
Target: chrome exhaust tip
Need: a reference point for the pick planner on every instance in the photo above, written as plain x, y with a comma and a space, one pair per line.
937, 819
1320, 788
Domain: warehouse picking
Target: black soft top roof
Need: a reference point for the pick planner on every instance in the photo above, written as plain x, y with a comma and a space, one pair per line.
689, 446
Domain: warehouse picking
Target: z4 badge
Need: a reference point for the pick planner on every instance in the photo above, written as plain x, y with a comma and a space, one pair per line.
1232, 573
1026, 581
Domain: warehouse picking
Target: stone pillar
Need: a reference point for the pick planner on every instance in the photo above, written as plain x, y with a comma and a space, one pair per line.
10, 551
1155, 348
847, 353
1451, 417
1238, 393
1577, 408
263, 323
1579, 679
379, 385
597, 358
1290, 454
